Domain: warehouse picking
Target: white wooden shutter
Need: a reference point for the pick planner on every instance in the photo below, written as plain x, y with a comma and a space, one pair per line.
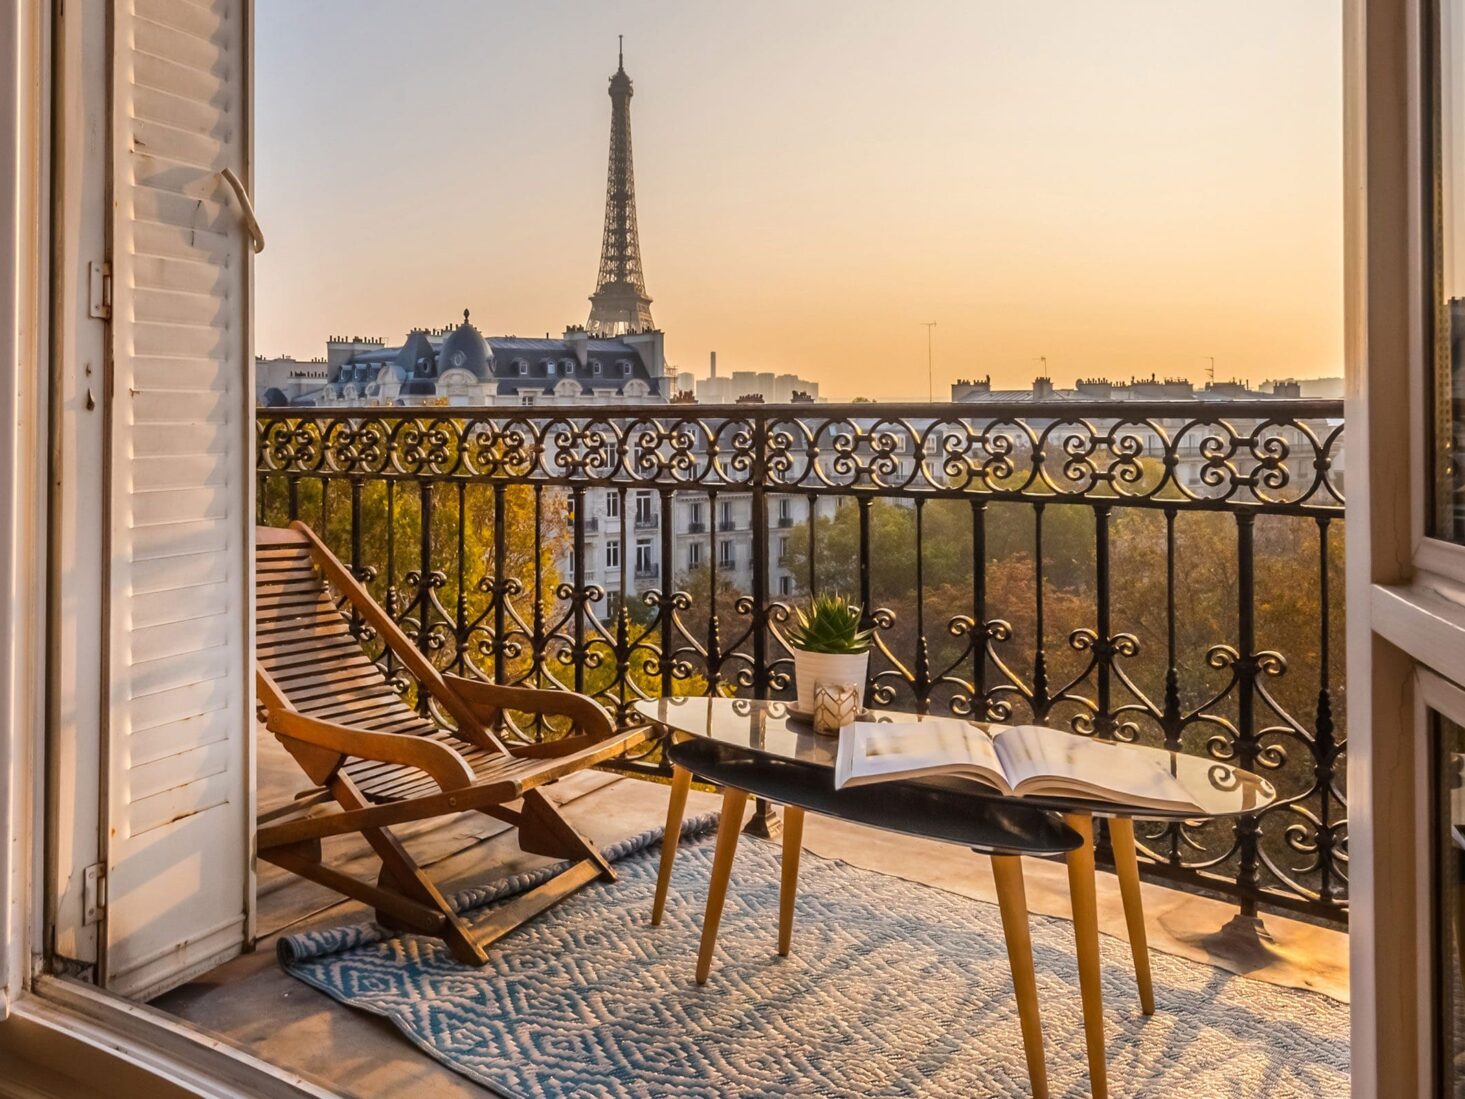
179, 802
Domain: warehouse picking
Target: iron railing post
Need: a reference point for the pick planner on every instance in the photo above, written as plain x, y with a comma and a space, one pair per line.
764, 821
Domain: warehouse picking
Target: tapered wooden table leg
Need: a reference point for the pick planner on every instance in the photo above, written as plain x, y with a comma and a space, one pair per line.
1013, 903
788, 887
1086, 938
676, 807
1126, 864
728, 827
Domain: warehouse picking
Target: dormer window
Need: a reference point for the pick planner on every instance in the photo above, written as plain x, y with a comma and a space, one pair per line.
595, 367
625, 368
521, 366
567, 367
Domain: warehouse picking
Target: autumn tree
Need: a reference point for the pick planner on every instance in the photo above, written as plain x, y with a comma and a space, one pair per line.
428, 553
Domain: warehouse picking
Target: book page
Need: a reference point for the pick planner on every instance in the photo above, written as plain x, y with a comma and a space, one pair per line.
882, 751
1058, 764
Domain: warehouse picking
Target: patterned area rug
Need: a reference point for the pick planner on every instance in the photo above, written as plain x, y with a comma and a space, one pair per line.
893, 989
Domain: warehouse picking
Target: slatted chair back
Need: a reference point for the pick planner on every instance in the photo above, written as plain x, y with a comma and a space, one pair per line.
309, 661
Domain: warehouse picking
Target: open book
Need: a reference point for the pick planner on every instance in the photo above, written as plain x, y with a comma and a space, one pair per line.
1022, 761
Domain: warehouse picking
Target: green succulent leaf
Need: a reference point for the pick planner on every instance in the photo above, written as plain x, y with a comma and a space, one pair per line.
830, 625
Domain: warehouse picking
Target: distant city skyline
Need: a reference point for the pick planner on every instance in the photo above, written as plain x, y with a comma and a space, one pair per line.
1123, 192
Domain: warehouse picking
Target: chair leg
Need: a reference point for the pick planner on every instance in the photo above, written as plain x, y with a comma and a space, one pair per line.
1013, 904
400, 868
728, 827
676, 808
1086, 938
793, 839
389, 884
402, 871
543, 830
1126, 864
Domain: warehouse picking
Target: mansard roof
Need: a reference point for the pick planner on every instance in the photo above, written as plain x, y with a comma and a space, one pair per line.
516, 365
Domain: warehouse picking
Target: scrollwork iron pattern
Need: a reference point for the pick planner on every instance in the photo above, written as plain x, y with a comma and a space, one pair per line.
519, 608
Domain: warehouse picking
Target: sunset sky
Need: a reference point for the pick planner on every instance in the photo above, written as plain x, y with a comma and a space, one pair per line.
1125, 188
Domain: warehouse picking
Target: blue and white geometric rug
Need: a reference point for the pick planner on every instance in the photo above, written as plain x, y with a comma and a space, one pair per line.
892, 989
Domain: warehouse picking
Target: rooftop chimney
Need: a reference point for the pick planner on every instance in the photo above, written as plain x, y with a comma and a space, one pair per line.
714, 364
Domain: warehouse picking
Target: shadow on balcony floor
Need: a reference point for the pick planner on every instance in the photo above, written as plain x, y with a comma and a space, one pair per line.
252, 1003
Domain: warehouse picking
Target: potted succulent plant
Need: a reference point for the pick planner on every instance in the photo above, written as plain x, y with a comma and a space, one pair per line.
829, 646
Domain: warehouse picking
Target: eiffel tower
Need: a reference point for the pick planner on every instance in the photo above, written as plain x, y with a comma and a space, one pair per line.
620, 303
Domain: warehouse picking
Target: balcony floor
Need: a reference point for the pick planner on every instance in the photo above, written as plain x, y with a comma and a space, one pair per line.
253, 1004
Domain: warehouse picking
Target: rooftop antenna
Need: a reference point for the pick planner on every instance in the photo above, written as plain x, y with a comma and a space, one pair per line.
1211, 370
930, 377
1044, 360
620, 51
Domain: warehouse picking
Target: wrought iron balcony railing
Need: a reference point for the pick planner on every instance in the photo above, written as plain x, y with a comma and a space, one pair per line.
1162, 572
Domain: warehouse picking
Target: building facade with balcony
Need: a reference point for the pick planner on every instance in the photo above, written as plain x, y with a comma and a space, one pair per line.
624, 551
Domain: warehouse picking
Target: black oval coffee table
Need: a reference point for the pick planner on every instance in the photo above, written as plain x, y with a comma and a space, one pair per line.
756, 748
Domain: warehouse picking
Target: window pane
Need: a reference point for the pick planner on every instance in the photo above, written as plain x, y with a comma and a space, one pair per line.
1448, 458
1450, 943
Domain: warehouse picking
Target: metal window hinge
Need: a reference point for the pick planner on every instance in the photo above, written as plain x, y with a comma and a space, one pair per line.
99, 294
94, 893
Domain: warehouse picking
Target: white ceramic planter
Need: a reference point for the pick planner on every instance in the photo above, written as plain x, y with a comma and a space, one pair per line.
811, 669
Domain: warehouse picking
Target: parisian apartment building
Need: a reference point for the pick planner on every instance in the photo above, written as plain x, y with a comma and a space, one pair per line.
457, 366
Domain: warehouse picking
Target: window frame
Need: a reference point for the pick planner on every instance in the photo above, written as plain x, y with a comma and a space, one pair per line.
104, 1042
1405, 590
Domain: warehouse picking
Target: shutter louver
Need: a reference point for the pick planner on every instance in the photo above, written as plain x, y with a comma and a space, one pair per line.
179, 802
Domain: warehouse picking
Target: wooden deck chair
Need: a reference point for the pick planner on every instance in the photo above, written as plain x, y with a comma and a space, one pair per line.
331, 707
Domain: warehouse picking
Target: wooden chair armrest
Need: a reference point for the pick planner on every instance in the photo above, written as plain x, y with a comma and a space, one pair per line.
602, 749
446, 767
563, 746
487, 700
